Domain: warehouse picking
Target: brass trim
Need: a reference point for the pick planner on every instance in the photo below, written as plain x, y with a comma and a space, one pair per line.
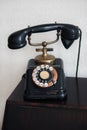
39, 44
44, 58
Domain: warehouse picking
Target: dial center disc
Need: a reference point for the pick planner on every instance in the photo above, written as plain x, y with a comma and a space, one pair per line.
44, 74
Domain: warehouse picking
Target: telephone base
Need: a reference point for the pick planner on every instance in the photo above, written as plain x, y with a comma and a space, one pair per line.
57, 91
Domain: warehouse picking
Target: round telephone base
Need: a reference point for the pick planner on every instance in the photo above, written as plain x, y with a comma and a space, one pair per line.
49, 59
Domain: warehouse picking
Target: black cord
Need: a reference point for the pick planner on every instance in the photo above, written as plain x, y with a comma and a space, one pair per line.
78, 57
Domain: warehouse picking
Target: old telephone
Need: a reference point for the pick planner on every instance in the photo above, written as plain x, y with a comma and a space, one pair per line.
45, 78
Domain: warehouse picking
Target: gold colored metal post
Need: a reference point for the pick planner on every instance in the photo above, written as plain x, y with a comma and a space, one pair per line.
45, 57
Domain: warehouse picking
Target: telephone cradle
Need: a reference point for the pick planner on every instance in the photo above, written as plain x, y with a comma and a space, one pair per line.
57, 91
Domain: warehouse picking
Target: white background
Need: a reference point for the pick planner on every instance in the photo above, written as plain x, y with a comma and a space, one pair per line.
18, 14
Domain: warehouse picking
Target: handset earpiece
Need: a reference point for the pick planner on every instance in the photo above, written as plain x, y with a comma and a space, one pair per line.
69, 33
18, 39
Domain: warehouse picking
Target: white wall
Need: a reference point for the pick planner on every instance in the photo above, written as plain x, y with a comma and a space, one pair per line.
18, 14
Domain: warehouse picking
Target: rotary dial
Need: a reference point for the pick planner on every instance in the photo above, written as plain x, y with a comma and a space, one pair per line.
44, 76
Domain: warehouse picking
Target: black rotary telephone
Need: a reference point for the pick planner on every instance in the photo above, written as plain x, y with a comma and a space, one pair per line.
45, 78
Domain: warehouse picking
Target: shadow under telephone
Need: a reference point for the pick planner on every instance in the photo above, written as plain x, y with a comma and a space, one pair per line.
45, 78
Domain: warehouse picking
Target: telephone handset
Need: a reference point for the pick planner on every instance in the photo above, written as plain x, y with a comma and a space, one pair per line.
45, 78
69, 33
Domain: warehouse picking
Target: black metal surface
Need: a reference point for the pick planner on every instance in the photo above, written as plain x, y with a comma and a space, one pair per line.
57, 91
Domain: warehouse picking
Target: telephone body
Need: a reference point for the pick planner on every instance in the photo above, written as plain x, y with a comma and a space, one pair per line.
45, 78
44, 91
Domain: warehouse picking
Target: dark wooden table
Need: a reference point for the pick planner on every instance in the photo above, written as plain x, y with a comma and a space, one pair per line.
48, 115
